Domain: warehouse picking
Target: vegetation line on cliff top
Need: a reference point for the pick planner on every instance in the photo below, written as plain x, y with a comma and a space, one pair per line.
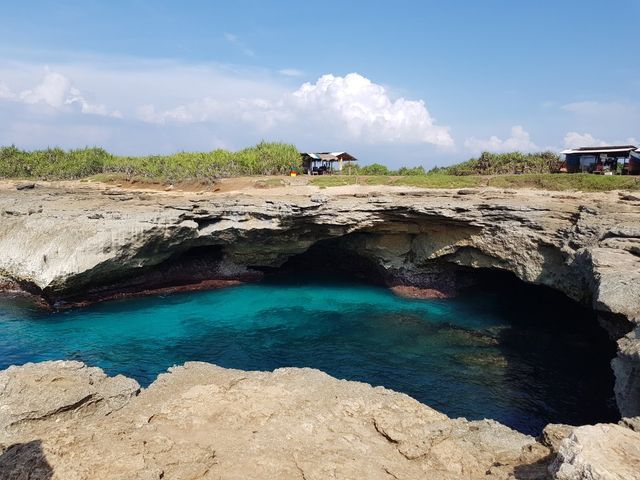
508, 170
544, 181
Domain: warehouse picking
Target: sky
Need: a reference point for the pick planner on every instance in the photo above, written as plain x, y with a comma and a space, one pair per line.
396, 82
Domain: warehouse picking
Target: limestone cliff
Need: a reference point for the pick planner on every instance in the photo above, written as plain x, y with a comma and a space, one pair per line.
77, 242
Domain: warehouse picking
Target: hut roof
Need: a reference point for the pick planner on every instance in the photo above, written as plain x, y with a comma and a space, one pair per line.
602, 149
330, 156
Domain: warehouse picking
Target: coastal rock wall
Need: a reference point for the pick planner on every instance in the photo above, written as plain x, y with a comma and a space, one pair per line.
67, 244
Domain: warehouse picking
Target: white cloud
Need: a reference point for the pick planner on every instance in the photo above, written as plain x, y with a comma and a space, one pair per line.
235, 41
290, 72
351, 104
600, 109
520, 140
57, 92
365, 109
5, 92
575, 140
165, 106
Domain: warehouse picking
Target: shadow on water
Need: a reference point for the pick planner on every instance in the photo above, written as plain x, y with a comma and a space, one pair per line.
554, 355
22, 461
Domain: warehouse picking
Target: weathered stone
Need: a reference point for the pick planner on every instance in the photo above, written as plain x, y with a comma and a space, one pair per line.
581, 244
626, 367
598, 452
631, 422
49, 391
203, 421
553, 435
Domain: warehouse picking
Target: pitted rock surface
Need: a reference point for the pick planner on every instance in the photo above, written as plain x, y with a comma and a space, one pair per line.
203, 421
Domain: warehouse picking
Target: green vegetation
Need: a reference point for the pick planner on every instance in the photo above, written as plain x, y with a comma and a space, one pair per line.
508, 170
57, 164
504, 164
502, 170
562, 181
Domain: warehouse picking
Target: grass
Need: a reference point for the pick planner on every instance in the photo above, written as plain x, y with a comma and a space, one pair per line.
544, 181
493, 170
57, 164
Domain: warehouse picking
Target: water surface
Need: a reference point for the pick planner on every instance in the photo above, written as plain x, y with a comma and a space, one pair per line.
523, 358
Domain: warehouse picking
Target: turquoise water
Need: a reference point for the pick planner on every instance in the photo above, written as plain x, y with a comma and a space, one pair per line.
485, 354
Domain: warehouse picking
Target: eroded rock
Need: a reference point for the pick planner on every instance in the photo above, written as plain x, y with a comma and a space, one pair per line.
584, 245
49, 391
203, 421
598, 452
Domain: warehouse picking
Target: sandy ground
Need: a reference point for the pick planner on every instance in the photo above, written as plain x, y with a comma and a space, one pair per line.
254, 186
285, 186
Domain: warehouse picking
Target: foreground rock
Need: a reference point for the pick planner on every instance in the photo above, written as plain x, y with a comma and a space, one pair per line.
36, 393
598, 452
128, 242
202, 421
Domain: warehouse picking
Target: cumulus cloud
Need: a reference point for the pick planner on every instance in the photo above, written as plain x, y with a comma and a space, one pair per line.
57, 92
5, 92
520, 140
352, 104
367, 111
575, 140
165, 106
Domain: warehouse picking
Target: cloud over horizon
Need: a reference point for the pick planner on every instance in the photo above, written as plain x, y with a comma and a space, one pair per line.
134, 106
353, 103
57, 91
520, 140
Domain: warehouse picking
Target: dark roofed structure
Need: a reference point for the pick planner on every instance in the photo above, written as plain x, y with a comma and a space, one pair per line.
599, 159
322, 163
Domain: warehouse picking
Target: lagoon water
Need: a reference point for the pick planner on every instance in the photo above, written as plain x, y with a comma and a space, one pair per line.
522, 358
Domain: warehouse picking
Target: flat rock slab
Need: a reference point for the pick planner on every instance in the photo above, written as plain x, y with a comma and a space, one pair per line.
202, 421
48, 391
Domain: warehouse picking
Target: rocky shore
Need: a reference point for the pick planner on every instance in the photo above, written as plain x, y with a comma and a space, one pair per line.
63, 420
73, 243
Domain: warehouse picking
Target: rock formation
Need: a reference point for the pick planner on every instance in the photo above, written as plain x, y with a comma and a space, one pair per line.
70, 243
63, 420
74, 243
201, 421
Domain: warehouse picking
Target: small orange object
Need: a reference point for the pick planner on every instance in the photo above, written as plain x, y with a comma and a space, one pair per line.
293, 174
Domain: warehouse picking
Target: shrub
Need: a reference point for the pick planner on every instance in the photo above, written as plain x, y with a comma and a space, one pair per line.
54, 163
411, 171
374, 169
504, 163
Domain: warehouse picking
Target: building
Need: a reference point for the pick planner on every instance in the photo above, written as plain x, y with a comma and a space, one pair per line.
323, 163
604, 159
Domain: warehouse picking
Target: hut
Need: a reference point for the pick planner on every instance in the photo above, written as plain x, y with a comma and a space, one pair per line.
603, 159
324, 163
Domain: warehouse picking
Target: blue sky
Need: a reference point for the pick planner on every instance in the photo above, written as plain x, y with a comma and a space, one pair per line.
402, 82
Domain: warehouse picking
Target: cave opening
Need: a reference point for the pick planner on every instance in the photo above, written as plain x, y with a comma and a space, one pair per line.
521, 354
548, 347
